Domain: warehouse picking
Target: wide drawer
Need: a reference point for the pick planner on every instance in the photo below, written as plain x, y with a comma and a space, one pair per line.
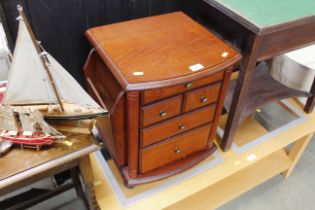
161, 111
155, 156
177, 125
156, 94
201, 97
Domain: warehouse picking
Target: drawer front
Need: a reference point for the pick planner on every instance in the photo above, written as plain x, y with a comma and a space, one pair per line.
156, 94
161, 111
177, 125
201, 97
174, 149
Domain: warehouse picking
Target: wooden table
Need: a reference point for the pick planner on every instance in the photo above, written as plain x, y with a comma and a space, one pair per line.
260, 30
237, 174
20, 168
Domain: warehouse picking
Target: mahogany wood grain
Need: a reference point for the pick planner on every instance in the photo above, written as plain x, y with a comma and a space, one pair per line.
109, 92
161, 110
155, 94
177, 125
150, 102
133, 100
167, 170
98, 73
154, 156
201, 97
162, 55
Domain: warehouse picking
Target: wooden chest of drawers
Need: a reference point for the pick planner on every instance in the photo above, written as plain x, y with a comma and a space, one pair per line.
163, 79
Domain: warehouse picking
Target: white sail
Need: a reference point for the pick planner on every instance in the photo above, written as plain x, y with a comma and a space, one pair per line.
7, 119
28, 82
39, 119
68, 88
26, 122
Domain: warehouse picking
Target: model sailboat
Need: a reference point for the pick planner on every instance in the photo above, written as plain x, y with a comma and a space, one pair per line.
38, 82
28, 129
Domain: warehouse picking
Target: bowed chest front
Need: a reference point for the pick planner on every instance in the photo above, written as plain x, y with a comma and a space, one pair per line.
164, 79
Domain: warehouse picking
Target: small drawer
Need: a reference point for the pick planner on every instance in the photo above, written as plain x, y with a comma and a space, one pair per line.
177, 125
161, 111
155, 156
156, 94
201, 97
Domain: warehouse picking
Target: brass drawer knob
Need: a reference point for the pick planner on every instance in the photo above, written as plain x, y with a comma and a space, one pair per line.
163, 113
177, 150
203, 100
181, 127
188, 85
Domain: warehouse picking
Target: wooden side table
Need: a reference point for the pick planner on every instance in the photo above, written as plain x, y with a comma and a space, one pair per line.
261, 30
20, 168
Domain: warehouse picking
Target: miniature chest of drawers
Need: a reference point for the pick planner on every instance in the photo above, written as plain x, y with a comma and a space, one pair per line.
164, 79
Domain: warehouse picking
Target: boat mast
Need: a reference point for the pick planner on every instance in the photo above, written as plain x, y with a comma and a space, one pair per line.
39, 51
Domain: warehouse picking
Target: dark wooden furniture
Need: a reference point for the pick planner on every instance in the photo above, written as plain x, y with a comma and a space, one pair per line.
163, 79
260, 30
20, 168
263, 88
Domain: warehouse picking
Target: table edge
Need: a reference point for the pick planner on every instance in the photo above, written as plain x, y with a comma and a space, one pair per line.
6, 182
254, 27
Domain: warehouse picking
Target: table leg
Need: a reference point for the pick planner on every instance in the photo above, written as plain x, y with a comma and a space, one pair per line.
88, 180
296, 152
77, 185
310, 103
246, 74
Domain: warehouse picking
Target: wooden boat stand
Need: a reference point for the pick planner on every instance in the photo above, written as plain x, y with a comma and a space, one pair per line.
37, 147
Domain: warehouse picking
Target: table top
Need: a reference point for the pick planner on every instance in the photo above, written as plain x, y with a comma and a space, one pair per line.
159, 48
261, 15
17, 161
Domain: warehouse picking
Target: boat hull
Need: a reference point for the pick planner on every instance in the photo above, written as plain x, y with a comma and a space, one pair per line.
43, 139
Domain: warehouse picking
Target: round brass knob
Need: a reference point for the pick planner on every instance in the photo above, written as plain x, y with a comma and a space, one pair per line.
177, 150
203, 100
163, 113
188, 85
181, 127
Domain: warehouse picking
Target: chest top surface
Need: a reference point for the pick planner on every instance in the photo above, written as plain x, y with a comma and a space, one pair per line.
161, 48
262, 14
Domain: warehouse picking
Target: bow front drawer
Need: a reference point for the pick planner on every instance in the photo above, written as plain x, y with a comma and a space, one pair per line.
201, 97
161, 111
177, 125
174, 149
156, 94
